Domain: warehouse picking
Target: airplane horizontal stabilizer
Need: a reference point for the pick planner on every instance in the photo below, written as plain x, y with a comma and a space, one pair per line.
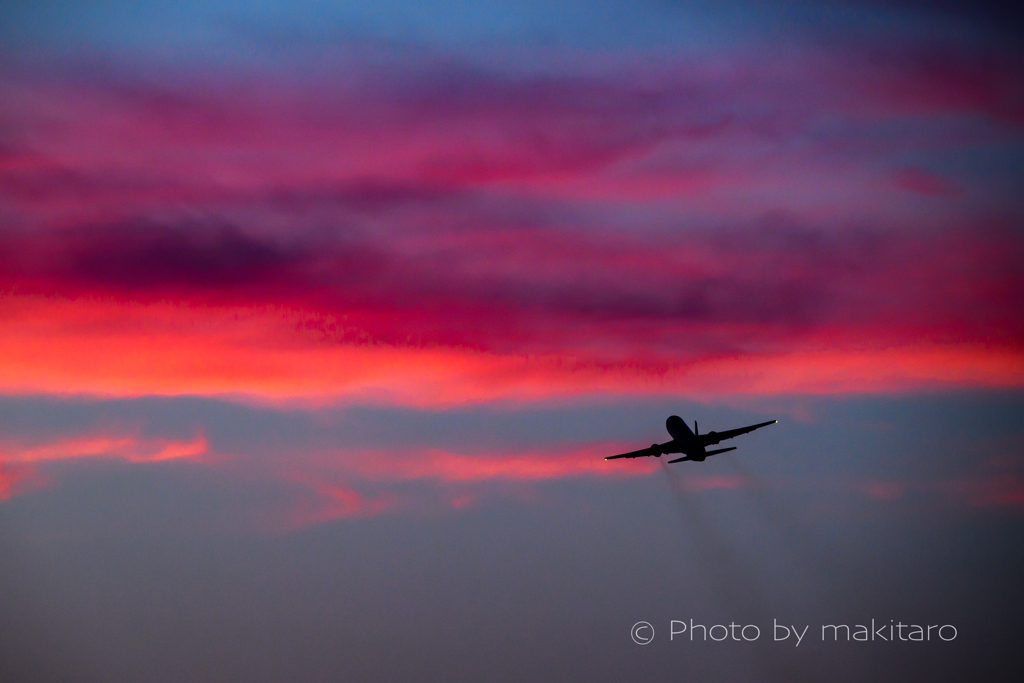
720, 450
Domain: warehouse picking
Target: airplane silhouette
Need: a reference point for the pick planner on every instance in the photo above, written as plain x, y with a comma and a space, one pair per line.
693, 444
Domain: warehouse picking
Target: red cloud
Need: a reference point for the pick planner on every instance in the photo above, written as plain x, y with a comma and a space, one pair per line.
469, 235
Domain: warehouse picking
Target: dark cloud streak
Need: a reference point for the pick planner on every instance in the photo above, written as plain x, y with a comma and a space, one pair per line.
531, 289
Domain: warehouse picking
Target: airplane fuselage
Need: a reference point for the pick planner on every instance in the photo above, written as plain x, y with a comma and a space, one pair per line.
691, 450
683, 441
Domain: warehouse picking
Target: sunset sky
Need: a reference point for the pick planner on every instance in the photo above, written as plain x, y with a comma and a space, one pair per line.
317, 320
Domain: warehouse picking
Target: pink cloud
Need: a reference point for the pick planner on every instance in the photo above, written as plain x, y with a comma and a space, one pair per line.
129, 448
983, 491
18, 478
359, 483
327, 502
882, 490
454, 467
110, 143
993, 491
20, 462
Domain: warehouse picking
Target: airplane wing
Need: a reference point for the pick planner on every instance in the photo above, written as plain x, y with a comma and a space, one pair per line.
712, 438
635, 454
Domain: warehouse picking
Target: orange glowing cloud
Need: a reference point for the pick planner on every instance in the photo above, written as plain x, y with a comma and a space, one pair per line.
104, 347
